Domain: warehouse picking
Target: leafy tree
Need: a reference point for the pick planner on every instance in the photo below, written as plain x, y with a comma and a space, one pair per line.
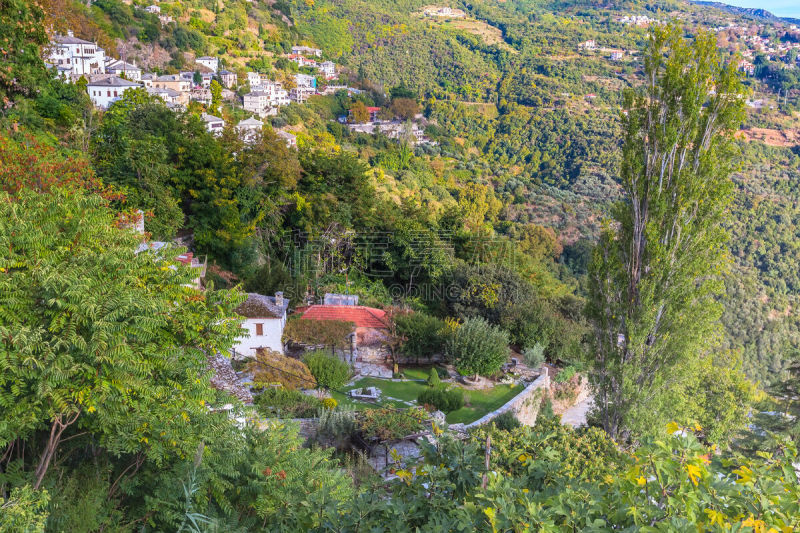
216, 97
404, 108
655, 278
22, 69
477, 347
359, 113
423, 335
121, 356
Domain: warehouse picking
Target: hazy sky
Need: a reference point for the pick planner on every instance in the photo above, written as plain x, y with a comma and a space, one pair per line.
782, 8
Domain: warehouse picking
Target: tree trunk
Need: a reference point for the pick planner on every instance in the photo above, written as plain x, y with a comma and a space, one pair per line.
60, 423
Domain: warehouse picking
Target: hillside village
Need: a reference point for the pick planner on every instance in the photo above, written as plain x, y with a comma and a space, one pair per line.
108, 79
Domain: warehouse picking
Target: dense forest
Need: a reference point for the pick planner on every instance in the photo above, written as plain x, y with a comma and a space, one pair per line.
108, 421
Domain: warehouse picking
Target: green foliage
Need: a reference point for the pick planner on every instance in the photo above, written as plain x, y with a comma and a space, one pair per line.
654, 281
506, 421
534, 356
423, 335
286, 403
25, 510
477, 347
22, 70
329, 371
391, 424
433, 379
445, 400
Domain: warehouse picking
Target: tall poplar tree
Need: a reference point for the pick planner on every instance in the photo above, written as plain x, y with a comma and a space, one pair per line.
658, 267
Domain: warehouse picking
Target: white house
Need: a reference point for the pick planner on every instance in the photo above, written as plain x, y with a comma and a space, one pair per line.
214, 124
266, 99
300, 94
328, 69
227, 78
265, 318
249, 129
75, 57
153, 9
305, 80
120, 68
105, 92
254, 79
209, 62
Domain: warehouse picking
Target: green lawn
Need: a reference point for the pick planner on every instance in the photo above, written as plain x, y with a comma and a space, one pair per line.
480, 402
417, 373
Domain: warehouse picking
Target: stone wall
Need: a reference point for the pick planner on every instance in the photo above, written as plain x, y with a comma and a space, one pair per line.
524, 405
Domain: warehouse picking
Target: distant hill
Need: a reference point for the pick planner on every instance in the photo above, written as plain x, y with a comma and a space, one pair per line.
753, 12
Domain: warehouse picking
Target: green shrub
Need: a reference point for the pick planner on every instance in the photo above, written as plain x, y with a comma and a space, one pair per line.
506, 421
565, 374
444, 400
330, 372
534, 356
433, 379
388, 424
286, 403
443, 373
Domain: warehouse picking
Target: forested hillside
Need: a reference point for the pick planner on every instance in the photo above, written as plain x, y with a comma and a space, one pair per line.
514, 103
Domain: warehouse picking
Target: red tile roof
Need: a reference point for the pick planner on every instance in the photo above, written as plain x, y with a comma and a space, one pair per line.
362, 317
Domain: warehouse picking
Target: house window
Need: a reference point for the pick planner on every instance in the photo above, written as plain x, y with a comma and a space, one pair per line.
108, 93
259, 329
115, 93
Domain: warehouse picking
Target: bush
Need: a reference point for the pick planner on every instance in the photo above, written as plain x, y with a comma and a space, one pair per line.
534, 356
565, 374
506, 421
389, 424
329, 403
443, 373
286, 403
477, 347
443, 400
433, 380
330, 372
422, 333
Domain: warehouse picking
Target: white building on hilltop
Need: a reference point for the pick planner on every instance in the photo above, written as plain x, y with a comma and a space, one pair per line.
265, 318
106, 91
75, 57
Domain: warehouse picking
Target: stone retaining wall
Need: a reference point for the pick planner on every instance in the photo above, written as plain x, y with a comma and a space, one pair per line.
524, 405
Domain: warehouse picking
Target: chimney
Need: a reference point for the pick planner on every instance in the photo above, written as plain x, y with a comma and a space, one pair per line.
70, 33
279, 299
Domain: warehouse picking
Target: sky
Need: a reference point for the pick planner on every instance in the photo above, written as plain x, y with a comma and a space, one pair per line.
781, 8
